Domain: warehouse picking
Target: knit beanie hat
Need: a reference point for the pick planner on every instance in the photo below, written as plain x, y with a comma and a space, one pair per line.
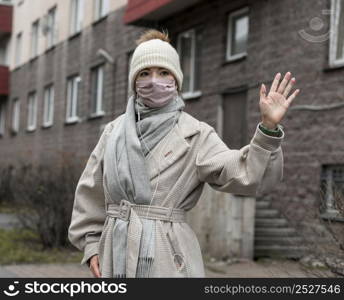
155, 53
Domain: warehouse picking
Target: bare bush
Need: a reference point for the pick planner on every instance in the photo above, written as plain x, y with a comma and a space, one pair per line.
43, 196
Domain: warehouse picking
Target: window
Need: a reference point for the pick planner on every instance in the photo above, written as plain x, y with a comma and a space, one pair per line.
237, 34
48, 106
97, 86
34, 38
32, 111
72, 99
101, 8
129, 57
337, 34
332, 191
18, 49
234, 119
189, 47
2, 117
50, 27
15, 115
76, 16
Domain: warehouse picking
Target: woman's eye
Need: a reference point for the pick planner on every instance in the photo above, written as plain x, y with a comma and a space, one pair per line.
165, 73
142, 74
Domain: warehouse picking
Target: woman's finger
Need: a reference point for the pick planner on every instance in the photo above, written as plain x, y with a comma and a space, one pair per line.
289, 86
275, 83
263, 91
284, 83
292, 96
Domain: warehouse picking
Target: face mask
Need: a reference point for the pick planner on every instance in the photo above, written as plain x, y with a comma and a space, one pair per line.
156, 92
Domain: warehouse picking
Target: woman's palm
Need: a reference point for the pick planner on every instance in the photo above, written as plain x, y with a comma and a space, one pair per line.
275, 105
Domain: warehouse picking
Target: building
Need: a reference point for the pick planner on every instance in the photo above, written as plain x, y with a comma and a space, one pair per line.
68, 66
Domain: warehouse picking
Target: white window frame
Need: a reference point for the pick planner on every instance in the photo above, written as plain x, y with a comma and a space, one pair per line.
32, 111
231, 16
16, 115
2, 117
51, 22
19, 42
76, 16
336, 8
101, 9
100, 90
72, 99
191, 93
34, 38
48, 111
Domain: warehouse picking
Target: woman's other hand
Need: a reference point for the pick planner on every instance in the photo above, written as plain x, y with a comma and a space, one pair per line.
94, 266
274, 106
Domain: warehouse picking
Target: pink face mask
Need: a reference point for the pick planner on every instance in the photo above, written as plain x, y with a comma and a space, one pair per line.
156, 92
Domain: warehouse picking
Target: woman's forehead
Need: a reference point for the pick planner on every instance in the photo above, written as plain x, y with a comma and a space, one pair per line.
152, 68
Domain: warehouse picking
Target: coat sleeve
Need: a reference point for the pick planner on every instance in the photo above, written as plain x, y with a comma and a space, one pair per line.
256, 167
88, 215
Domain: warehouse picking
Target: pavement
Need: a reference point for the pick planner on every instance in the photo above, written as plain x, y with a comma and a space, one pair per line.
216, 269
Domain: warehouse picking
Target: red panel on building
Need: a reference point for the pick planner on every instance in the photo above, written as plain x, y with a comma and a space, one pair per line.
136, 9
4, 80
5, 19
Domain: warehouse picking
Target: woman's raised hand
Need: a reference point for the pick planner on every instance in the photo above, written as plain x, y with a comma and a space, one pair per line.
274, 106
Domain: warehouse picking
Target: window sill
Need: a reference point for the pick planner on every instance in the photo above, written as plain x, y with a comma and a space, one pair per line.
99, 20
192, 95
32, 59
336, 67
235, 58
47, 125
96, 115
30, 129
49, 49
332, 216
74, 35
72, 121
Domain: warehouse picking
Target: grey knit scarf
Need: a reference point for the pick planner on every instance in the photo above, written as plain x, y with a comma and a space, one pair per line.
127, 175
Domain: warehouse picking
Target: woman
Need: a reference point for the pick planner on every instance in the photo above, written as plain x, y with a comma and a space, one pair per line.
150, 165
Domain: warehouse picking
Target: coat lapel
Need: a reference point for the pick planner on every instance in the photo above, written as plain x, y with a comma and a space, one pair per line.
173, 146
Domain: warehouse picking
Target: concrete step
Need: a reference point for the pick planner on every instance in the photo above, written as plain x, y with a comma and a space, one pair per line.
267, 213
277, 240
273, 222
262, 204
280, 251
282, 231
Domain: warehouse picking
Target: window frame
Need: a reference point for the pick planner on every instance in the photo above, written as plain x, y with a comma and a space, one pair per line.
51, 20
18, 50
98, 71
2, 118
48, 96
73, 87
334, 32
34, 38
101, 9
242, 11
191, 93
76, 16
32, 111
15, 115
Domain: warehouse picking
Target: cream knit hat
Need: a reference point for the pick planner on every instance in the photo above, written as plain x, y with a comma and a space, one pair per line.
155, 53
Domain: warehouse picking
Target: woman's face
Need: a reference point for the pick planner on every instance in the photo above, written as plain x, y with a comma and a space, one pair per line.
154, 72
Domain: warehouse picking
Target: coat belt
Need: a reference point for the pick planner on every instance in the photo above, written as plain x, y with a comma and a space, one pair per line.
131, 212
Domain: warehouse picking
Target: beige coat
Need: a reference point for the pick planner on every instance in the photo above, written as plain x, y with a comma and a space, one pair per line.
190, 155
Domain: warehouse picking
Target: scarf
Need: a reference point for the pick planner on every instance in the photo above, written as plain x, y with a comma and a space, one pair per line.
127, 173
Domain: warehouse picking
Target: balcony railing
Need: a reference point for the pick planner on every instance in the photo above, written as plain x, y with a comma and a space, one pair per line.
4, 80
6, 11
144, 11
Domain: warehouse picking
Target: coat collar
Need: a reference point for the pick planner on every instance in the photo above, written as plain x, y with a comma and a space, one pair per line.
174, 145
